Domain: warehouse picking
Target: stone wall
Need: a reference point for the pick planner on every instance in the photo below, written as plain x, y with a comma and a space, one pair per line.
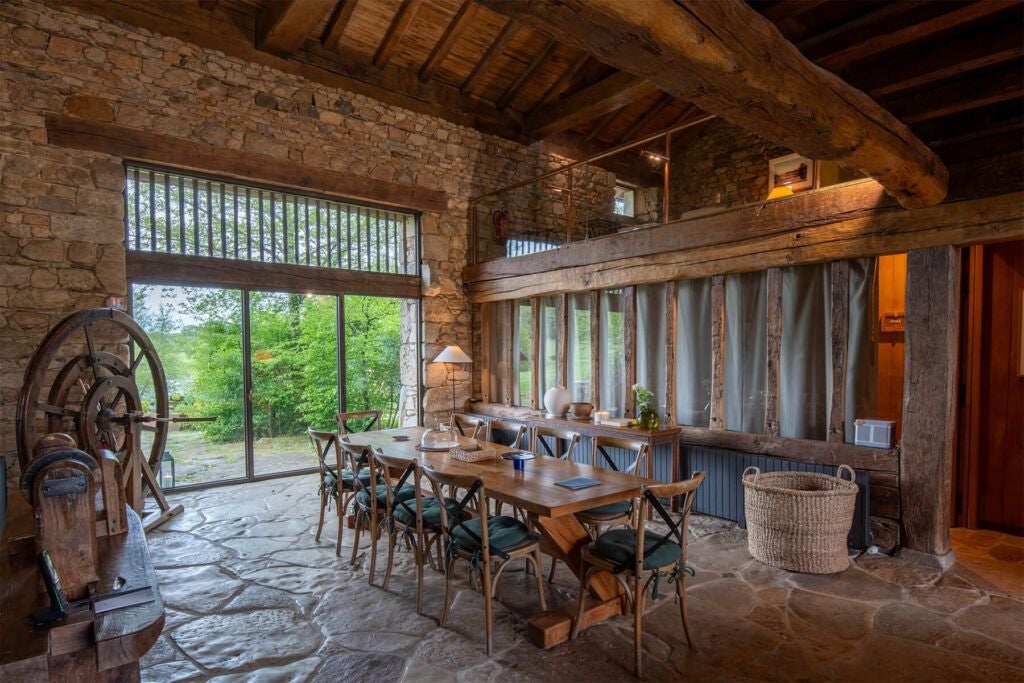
61, 230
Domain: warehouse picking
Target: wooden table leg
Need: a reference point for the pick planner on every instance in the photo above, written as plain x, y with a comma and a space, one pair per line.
564, 538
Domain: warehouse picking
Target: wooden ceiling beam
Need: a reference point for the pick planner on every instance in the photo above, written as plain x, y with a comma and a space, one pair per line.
337, 23
497, 48
963, 94
788, 9
645, 119
559, 86
603, 123
399, 25
884, 37
614, 92
284, 25
730, 61
531, 69
451, 35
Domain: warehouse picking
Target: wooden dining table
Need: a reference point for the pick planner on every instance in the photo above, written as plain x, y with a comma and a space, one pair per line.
550, 509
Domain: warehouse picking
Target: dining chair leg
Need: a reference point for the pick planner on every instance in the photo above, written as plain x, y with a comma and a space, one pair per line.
358, 533
681, 596
374, 535
421, 553
447, 592
551, 574
488, 623
341, 530
580, 603
535, 557
320, 525
391, 557
638, 624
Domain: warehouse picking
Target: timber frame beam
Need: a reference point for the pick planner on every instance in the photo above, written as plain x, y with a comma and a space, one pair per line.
730, 61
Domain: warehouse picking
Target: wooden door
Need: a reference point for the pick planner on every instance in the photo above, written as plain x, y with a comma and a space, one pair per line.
992, 418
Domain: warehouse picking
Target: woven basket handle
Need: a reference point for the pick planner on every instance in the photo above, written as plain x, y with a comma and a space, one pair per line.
845, 468
752, 470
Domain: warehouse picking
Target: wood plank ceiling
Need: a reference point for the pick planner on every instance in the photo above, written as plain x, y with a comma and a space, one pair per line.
951, 70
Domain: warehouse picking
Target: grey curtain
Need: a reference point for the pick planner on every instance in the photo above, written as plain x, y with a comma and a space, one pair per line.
693, 353
611, 347
745, 351
497, 352
805, 365
580, 346
862, 344
650, 341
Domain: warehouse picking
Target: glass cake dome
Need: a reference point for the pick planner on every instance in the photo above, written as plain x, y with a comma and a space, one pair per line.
439, 438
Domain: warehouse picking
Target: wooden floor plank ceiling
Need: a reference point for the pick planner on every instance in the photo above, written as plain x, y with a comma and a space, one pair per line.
939, 66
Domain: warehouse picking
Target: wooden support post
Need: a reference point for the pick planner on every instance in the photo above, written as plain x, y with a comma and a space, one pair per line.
562, 340
666, 179
486, 362
570, 211
510, 375
774, 344
717, 352
595, 345
535, 394
629, 345
840, 334
671, 298
929, 397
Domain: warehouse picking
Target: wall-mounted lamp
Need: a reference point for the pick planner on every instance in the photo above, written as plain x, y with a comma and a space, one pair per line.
654, 156
779, 192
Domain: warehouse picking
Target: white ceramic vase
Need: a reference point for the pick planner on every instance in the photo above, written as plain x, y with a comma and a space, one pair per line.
556, 401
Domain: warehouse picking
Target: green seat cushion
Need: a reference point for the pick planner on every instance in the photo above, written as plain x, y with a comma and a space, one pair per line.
619, 546
503, 533
404, 493
346, 478
609, 511
431, 512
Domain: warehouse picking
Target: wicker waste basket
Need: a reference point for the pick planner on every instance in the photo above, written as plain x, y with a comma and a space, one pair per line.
800, 520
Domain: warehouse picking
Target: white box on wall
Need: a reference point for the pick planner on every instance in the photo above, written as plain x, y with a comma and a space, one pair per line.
874, 433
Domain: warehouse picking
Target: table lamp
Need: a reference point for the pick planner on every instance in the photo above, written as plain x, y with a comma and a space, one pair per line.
452, 355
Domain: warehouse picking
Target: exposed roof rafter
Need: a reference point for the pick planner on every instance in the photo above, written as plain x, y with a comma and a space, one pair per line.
284, 25
496, 49
614, 92
399, 25
451, 34
531, 69
337, 24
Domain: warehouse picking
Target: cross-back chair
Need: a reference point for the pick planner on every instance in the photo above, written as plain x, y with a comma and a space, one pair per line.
417, 518
465, 425
513, 435
554, 441
479, 539
371, 496
620, 512
358, 421
336, 480
629, 553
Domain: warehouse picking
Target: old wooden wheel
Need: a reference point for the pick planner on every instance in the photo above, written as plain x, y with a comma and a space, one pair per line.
95, 395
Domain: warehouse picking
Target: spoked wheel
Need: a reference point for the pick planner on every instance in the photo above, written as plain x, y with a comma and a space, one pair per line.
95, 394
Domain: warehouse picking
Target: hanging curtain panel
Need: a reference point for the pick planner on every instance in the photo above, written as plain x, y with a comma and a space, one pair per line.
612, 350
745, 351
862, 344
580, 347
497, 352
693, 353
523, 343
650, 341
805, 363
547, 367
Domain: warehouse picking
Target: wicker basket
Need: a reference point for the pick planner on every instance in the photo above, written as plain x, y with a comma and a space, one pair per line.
799, 520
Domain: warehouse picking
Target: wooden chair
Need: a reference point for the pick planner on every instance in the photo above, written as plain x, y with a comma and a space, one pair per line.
371, 496
518, 432
621, 512
630, 553
418, 518
564, 441
464, 425
480, 539
366, 421
324, 443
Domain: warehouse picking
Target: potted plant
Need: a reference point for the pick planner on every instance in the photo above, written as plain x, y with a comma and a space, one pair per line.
647, 418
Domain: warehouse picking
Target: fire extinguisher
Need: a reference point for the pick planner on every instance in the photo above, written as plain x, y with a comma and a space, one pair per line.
500, 220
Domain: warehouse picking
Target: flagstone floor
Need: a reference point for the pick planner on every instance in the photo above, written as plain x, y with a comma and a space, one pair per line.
251, 596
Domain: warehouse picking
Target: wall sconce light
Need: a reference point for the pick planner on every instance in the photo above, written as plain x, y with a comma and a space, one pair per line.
779, 192
654, 156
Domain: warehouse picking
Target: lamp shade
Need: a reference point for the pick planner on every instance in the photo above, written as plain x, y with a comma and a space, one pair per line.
780, 191
453, 354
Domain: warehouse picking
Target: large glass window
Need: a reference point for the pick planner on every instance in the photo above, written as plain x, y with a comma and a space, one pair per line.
650, 341
373, 341
612, 349
523, 344
745, 351
580, 347
693, 353
547, 371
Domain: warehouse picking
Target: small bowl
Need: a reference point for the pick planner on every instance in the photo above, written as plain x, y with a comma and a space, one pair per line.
581, 410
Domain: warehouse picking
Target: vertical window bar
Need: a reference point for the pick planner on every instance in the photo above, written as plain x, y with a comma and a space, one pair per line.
138, 219
261, 224
405, 244
152, 209
128, 238
223, 225
348, 233
376, 235
181, 213
337, 222
387, 242
234, 208
273, 229
284, 225
248, 225
295, 216
195, 216
209, 218
318, 232
305, 211
167, 213
359, 238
